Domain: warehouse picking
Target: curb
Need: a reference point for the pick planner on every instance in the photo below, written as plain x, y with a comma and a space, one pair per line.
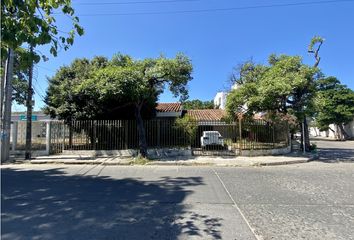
119, 162
283, 163
80, 162
314, 157
310, 158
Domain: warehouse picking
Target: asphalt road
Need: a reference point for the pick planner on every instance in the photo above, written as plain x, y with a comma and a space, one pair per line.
335, 151
307, 201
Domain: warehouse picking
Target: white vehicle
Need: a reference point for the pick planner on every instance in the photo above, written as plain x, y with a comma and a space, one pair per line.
210, 138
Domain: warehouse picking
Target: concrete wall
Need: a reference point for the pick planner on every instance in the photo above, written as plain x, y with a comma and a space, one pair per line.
265, 152
349, 128
40, 138
153, 153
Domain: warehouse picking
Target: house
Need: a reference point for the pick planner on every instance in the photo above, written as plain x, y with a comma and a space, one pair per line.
210, 120
206, 116
169, 110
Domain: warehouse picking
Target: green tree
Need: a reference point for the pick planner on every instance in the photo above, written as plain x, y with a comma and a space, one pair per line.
20, 75
120, 88
189, 125
62, 99
32, 22
335, 105
198, 104
314, 48
282, 88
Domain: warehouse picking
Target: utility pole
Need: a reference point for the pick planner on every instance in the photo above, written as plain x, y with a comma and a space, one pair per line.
7, 101
29, 109
2, 88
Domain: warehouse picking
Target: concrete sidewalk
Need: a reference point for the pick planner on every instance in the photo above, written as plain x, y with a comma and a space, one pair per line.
238, 161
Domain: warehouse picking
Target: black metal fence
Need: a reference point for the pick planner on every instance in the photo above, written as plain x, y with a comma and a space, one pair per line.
164, 133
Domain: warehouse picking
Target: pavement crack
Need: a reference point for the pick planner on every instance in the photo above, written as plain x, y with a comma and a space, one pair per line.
238, 209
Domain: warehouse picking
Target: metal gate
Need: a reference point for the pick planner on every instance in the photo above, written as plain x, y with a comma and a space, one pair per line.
218, 138
57, 137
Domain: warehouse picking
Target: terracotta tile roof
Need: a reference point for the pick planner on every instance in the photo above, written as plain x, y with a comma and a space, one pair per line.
169, 107
258, 116
207, 114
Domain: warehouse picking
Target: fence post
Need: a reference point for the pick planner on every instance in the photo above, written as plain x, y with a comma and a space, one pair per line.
158, 132
240, 132
94, 135
71, 134
14, 135
63, 131
288, 135
126, 124
273, 134
48, 137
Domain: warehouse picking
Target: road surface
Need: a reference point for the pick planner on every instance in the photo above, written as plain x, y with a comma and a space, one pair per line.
306, 201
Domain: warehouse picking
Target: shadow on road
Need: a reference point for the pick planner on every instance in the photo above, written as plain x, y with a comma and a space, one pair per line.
334, 155
49, 204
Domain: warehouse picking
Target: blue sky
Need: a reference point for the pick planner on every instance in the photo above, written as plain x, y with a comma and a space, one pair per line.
215, 41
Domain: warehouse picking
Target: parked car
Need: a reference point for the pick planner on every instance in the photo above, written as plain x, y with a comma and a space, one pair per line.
297, 135
211, 138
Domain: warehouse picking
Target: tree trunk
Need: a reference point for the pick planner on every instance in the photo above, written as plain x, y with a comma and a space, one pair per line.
141, 131
307, 135
344, 134
28, 148
334, 132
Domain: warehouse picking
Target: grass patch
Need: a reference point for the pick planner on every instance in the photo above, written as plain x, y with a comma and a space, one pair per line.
139, 161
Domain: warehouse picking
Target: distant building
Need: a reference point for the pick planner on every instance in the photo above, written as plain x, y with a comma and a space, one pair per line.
220, 97
36, 116
220, 100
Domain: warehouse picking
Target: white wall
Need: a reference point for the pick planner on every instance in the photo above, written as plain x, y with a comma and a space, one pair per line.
349, 128
220, 100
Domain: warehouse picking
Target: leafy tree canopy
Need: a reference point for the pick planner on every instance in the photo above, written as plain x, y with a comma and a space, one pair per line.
187, 124
198, 104
284, 86
335, 104
32, 22
112, 89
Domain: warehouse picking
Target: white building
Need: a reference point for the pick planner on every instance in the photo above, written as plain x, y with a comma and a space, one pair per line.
220, 100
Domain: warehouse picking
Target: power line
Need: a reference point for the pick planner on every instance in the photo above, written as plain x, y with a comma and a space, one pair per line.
35, 77
45, 68
40, 93
36, 91
137, 2
39, 87
215, 9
